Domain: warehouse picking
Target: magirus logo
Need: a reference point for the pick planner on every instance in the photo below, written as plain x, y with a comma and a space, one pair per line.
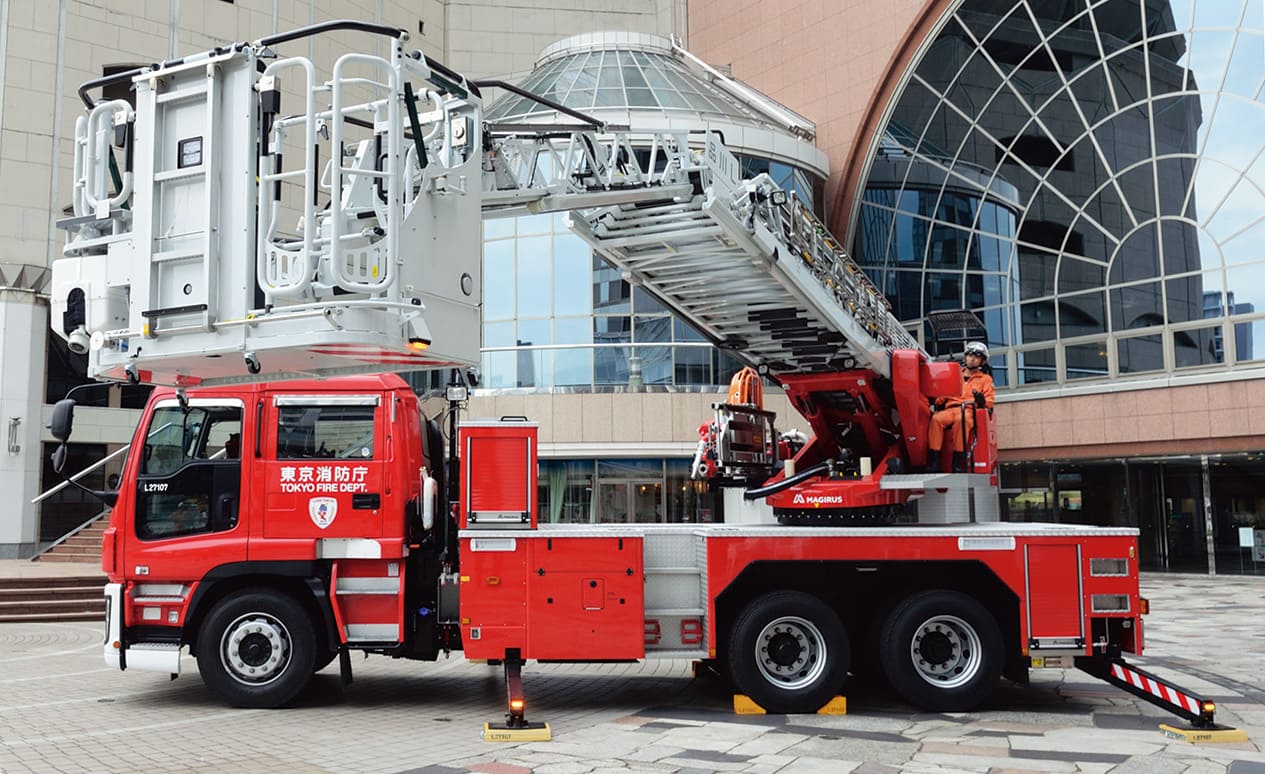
818, 500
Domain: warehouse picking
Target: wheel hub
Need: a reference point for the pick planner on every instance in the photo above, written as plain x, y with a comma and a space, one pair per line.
790, 652
255, 648
946, 651
784, 650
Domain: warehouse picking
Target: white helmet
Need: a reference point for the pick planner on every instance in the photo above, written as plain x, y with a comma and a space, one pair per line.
976, 348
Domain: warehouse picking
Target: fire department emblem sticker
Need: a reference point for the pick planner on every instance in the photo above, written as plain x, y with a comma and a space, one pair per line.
322, 510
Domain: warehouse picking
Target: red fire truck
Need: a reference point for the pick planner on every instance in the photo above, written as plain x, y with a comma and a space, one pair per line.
271, 523
270, 527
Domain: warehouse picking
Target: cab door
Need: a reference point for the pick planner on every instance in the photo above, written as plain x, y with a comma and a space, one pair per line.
188, 497
323, 473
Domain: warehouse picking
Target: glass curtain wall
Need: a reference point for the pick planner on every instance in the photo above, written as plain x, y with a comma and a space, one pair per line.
1181, 506
1088, 177
624, 491
555, 315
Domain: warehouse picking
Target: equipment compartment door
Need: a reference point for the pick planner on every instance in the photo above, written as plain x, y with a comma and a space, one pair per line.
1056, 611
585, 599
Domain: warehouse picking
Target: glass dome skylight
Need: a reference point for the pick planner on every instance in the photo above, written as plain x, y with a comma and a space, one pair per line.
621, 71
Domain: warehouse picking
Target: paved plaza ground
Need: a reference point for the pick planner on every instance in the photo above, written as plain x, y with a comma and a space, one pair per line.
62, 710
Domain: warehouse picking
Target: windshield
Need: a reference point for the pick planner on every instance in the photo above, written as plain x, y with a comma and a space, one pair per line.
177, 437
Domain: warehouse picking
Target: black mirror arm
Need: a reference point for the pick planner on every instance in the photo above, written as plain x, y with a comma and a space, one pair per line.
109, 497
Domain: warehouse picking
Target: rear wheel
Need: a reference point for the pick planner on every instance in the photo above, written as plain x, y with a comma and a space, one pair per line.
257, 649
788, 652
942, 651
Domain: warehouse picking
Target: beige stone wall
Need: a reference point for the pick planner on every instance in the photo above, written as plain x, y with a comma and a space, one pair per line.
1221, 417
658, 419
825, 59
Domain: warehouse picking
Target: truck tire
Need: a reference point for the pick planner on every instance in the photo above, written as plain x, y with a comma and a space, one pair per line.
941, 651
257, 649
326, 657
788, 652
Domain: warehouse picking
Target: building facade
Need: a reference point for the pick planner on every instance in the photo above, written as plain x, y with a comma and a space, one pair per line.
1082, 174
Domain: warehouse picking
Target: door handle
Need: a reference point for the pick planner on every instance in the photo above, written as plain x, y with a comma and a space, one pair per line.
225, 516
366, 502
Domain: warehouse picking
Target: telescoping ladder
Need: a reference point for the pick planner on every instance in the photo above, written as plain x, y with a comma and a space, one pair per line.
750, 266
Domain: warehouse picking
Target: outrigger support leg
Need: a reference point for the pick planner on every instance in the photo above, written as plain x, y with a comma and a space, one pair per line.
516, 728
1158, 691
515, 716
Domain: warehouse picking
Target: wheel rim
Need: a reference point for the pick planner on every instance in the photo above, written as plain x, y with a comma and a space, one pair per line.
790, 652
946, 651
255, 648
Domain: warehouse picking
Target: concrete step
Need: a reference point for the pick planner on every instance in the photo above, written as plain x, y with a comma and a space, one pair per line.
88, 578
66, 598
84, 615
45, 593
74, 550
88, 561
52, 607
80, 539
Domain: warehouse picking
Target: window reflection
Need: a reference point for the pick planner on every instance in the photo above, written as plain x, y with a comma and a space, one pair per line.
1065, 148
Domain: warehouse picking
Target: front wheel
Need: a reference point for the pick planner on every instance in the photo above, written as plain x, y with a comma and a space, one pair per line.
257, 649
788, 652
942, 651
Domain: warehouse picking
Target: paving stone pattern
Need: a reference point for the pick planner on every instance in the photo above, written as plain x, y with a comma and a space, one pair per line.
62, 710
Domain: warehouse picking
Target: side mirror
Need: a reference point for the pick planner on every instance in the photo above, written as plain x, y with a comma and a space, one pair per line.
63, 419
59, 458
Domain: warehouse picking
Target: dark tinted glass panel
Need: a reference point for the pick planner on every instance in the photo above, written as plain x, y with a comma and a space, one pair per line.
1140, 354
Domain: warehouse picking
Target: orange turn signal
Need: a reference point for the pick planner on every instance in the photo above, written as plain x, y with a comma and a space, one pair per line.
1144, 605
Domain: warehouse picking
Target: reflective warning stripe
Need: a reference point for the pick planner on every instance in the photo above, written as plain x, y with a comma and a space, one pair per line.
1166, 692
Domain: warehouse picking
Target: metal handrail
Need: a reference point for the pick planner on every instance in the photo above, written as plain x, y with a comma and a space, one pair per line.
67, 536
96, 465
84, 472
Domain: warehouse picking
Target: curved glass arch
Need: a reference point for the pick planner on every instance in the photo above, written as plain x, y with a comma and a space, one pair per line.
1128, 131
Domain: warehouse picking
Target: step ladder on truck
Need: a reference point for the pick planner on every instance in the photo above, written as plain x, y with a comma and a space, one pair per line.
250, 230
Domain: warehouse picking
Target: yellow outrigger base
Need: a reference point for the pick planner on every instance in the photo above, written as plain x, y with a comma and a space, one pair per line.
745, 705
532, 732
1218, 735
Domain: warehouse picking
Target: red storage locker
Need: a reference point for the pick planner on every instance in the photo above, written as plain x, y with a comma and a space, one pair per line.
498, 466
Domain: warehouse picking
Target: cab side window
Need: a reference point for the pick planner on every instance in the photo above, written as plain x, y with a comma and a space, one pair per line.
325, 432
189, 472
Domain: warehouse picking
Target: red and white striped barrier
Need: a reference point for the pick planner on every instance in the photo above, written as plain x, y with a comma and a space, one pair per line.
1145, 682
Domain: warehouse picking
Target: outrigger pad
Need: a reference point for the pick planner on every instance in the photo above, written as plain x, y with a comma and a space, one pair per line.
1214, 735
530, 732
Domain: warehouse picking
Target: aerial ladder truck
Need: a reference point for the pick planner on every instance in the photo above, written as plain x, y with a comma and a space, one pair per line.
285, 502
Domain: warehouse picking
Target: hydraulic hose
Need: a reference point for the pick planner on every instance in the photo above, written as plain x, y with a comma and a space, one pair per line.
787, 483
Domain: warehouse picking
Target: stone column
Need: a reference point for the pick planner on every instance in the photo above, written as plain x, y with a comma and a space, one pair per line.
23, 336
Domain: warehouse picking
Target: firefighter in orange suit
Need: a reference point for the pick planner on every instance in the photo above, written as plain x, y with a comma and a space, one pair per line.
977, 389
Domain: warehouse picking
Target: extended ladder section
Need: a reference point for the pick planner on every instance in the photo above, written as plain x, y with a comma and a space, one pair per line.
749, 265
249, 219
